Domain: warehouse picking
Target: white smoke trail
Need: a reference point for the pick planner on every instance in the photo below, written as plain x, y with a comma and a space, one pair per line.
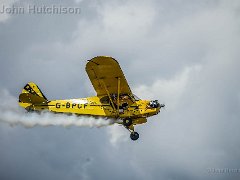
12, 114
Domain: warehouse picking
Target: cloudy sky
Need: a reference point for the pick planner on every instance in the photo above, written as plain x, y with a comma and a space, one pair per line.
184, 53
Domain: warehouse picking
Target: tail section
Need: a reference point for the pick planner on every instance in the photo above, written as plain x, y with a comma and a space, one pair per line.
32, 98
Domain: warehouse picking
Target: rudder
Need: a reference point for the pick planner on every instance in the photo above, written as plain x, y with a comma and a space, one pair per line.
33, 89
31, 95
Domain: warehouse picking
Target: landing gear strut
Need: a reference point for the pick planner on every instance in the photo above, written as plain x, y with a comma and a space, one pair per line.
128, 124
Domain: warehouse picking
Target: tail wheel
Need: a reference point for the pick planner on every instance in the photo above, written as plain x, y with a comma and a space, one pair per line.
134, 136
127, 122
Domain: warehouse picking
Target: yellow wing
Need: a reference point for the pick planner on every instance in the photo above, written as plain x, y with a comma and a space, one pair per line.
105, 74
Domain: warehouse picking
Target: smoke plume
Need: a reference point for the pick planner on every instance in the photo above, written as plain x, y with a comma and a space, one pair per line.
12, 114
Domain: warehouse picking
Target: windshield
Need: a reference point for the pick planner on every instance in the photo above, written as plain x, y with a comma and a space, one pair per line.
136, 98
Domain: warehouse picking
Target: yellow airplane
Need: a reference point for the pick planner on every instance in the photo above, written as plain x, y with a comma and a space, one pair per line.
114, 97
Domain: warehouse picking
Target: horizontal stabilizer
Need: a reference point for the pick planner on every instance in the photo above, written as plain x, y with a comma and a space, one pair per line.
31, 98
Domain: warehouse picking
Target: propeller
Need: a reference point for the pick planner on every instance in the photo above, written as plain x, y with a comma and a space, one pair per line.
162, 105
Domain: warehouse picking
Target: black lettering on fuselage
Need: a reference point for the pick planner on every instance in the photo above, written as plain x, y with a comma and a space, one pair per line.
73, 105
67, 105
58, 105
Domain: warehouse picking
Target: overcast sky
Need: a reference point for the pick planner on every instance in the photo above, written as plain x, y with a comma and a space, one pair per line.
183, 53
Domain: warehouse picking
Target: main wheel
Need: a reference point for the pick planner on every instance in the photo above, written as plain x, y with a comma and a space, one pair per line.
134, 136
127, 122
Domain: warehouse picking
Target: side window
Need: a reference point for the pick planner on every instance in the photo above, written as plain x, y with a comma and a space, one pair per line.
105, 100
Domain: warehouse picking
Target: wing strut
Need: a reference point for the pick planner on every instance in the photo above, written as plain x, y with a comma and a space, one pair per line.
109, 95
118, 94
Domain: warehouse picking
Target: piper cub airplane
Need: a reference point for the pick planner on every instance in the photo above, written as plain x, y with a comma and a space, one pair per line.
114, 97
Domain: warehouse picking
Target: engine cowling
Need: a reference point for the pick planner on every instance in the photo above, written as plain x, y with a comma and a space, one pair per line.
154, 104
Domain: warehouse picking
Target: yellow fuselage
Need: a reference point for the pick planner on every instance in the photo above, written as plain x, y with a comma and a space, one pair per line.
93, 106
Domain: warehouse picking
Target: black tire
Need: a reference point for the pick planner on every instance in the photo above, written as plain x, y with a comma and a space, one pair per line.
127, 122
134, 136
